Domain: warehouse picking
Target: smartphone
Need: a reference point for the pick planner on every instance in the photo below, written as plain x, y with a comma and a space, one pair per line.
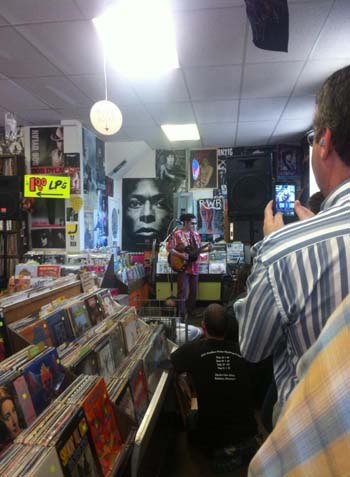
284, 198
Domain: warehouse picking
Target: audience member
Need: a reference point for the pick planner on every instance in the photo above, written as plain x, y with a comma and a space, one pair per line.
302, 272
221, 379
312, 437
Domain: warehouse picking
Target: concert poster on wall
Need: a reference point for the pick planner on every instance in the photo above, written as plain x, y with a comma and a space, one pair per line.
210, 214
46, 150
147, 211
288, 161
48, 213
203, 169
224, 154
72, 169
171, 169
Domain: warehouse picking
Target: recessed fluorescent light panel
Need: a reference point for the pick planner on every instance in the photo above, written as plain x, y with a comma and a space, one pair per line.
138, 37
181, 132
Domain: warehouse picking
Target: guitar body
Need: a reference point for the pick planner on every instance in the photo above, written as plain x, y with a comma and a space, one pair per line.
178, 264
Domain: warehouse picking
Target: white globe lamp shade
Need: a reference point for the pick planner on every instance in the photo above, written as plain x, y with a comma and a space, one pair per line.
106, 117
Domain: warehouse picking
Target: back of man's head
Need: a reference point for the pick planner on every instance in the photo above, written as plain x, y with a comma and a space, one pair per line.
187, 217
215, 321
333, 112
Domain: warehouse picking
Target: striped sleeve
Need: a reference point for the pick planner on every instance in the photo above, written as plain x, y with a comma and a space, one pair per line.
258, 317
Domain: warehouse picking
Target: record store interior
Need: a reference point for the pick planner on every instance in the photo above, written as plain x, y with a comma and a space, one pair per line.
174, 238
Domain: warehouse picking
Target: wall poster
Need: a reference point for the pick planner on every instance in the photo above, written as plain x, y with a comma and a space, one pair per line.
171, 169
203, 169
147, 211
210, 216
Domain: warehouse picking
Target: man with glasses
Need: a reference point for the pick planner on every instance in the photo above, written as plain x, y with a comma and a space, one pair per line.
185, 244
302, 271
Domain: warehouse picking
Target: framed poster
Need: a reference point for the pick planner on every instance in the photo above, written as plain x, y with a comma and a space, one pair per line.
147, 211
288, 161
171, 169
203, 169
210, 215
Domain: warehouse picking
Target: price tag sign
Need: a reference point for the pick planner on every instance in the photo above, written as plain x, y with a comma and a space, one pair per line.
47, 187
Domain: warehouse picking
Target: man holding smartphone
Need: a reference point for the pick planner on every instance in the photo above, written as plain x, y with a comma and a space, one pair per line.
302, 271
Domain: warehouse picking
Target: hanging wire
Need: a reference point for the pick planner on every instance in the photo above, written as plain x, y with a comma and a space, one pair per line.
105, 73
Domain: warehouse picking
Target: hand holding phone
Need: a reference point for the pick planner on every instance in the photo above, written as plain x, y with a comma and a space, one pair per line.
284, 199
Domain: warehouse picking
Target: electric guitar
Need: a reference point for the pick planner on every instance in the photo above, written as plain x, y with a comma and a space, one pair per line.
178, 264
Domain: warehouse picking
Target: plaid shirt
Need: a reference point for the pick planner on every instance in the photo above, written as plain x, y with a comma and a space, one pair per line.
312, 436
182, 239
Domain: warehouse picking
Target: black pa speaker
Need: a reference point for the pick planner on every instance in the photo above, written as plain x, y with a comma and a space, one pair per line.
10, 190
249, 185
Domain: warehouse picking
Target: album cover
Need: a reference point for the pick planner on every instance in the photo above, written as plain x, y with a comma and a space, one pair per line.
107, 303
48, 459
12, 420
105, 359
24, 399
154, 357
79, 318
87, 365
59, 327
75, 449
94, 308
118, 346
45, 379
125, 411
130, 330
48, 213
48, 237
139, 391
103, 426
36, 333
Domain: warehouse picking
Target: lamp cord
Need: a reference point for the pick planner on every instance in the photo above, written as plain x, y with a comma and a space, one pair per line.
105, 73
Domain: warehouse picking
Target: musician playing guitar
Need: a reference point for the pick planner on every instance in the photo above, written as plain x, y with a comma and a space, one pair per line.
183, 248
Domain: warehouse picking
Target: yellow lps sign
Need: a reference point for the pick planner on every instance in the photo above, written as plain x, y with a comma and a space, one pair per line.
47, 187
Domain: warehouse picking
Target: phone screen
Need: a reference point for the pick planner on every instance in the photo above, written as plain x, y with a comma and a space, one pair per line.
284, 199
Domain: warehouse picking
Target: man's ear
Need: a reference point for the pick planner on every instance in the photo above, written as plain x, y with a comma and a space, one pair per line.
203, 325
326, 143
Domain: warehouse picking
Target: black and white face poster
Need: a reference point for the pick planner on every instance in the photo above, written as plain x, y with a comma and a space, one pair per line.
147, 211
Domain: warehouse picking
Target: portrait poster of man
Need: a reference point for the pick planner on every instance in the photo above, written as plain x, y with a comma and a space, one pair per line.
203, 169
46, 150
288, 161
171, 169
147, 210
210, 216
224, 154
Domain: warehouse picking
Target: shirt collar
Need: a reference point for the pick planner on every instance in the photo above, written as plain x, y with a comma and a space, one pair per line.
337, 195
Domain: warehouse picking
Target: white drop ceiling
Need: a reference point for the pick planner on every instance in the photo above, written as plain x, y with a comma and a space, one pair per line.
51, 68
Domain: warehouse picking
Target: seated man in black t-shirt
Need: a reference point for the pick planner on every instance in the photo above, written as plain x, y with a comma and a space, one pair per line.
221, 379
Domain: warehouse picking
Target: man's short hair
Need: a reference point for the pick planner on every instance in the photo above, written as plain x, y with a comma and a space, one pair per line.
333, 112
187, 217
215, 320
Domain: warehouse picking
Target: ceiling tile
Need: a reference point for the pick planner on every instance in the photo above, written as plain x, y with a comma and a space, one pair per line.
119, 91
18, 58
292, 126
72, 46
335, 38
169, 87
261, 109
300, 108
171, 113
197, 4
14, 98
151, 134
136, 115
216, 135
305, 22
270, 80
32, 11
38, 117
219, 82
92, 8
185, 144
254, 133
210, 37
216, 111
56, 91
315, 73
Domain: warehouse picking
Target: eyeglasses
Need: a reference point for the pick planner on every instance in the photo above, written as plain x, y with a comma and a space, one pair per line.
311, 138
